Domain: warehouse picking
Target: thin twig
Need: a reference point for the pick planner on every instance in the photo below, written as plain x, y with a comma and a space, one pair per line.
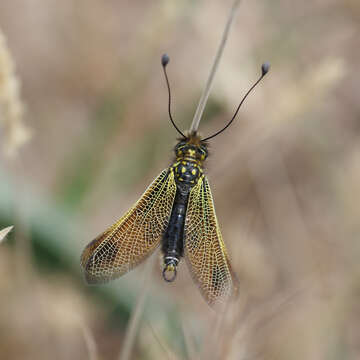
200, 109
189, 340
89, 341
169, 355
136, 314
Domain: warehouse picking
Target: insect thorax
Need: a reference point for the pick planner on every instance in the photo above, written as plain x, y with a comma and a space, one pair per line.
190, 155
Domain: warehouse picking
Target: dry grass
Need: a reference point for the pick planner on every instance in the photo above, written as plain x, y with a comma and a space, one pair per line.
11, 106
4, 232
285, 176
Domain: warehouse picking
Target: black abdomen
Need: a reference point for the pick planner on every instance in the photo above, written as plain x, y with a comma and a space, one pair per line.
173, 238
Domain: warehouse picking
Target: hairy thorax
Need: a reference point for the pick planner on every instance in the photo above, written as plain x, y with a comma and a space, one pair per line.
188, 164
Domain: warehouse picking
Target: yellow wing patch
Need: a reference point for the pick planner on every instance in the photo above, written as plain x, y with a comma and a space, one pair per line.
205, 250
133, 237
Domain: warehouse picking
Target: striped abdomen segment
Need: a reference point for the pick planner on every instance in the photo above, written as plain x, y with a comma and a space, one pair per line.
173, 238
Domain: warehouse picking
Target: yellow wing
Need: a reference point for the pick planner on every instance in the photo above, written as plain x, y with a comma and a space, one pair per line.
205, 250
135, 236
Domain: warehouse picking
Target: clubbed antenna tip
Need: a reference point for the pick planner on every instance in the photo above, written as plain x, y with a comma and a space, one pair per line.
165, 60
265, 67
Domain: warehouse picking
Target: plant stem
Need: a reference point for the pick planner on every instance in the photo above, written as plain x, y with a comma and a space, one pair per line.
200, 109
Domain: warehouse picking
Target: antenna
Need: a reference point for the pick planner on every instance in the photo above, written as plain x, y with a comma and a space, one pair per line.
164, 61
264, 70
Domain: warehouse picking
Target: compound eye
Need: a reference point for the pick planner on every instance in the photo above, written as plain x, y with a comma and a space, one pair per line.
179, 149
202, 154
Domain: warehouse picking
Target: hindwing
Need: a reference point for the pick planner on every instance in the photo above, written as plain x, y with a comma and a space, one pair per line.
205, 250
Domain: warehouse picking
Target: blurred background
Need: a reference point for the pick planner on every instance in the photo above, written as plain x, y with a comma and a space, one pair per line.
84, 129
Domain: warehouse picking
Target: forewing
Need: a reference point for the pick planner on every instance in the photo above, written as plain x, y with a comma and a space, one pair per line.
135, 236
205, 250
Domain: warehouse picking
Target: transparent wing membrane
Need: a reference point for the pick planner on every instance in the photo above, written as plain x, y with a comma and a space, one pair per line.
133, 237
205, 250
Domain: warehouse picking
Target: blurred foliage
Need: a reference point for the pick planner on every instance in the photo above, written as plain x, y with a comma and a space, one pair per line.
285, 176
81, 172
